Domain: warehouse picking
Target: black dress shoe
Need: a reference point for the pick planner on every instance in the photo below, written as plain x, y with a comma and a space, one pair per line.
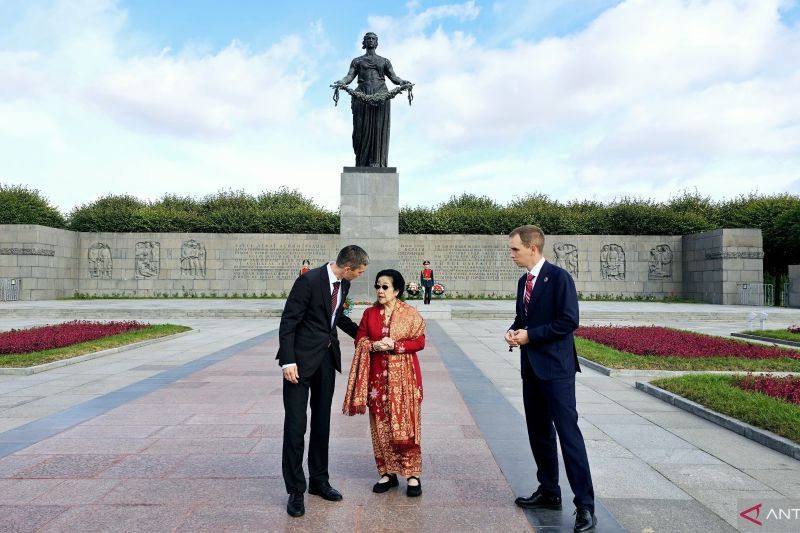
380, 488
584, 520
414, 490
539, 500
295, 507
326, 491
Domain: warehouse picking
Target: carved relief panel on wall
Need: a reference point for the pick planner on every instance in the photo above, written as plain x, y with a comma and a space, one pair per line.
660, 266
612, 262
193, 259
567, 257
148, 259
100, 263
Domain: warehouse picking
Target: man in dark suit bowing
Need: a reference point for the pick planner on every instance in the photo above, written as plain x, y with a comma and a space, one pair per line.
547, 314
310, 357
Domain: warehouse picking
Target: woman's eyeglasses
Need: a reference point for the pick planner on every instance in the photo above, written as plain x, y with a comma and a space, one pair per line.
384, 287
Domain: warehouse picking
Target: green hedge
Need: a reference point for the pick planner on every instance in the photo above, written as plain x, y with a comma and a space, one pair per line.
624, 217
21, 205
283, 211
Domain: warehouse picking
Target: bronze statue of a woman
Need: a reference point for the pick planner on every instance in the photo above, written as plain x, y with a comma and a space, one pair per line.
371, 103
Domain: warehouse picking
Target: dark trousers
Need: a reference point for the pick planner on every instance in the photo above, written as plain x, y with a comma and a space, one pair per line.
550, 409
427, 297
295, 401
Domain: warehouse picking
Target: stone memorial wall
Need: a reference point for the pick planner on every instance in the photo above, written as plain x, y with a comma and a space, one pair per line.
51, 263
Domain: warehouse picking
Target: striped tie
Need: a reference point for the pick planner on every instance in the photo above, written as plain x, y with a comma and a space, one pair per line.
334, 297
526, 299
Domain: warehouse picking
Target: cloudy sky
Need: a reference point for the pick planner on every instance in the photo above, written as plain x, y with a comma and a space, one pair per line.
572, 98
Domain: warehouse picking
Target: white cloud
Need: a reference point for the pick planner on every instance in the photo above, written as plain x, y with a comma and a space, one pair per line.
653, 96
650, 98
18, 76
208, 95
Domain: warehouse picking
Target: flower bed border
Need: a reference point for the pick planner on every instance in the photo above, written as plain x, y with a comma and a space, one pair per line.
773, 340
761, 436
609, 360
28, 370
662, 373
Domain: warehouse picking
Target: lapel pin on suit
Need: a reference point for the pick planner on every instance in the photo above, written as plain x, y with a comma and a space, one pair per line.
546, 279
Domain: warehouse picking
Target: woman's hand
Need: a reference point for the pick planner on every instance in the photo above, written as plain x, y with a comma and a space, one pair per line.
384, 345
388, 342
379, 346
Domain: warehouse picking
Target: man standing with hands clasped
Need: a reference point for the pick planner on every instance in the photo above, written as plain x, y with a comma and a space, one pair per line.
547, 315
310, 357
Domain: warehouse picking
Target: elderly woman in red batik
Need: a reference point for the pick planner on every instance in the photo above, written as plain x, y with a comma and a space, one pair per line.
385, 379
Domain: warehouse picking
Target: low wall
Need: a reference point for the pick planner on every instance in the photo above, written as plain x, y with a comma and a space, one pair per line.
793, 294
53, 263
43, 261
723, 266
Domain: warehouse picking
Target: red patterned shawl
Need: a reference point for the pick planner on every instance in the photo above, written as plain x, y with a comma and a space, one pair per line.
404, 394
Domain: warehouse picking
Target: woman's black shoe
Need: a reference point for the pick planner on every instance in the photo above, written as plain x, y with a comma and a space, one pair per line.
414, 490
386, 485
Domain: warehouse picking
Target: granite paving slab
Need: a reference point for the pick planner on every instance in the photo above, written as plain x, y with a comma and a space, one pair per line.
658, 436
196, 447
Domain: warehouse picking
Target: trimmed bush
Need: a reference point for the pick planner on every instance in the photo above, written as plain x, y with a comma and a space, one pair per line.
282, 211
22, 205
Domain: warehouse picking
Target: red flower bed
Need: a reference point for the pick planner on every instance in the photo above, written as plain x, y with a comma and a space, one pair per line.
787, 389
60, 335
665, 342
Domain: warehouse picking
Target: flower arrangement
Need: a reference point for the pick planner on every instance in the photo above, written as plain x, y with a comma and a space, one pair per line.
347, 306
793, 329
59, 335
413, 290
666, 342
438, 289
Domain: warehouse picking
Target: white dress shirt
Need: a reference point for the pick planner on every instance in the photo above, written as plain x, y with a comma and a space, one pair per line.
535, 271
331, 279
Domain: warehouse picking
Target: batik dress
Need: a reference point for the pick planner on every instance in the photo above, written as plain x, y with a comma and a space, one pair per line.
389, 385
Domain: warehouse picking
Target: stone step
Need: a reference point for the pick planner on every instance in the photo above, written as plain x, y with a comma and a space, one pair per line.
121, 314
438, 311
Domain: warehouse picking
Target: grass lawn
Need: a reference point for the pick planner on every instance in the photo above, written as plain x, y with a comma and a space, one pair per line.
611, 358
21, 360
719, 394
781, 334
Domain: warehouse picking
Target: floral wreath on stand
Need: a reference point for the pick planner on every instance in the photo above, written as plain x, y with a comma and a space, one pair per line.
347, 306
413, 290
438, 289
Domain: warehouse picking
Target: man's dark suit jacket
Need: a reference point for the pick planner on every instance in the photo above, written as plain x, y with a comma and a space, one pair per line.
305, 332
552, 317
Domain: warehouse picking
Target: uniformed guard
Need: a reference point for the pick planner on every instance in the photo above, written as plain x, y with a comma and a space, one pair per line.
426, 280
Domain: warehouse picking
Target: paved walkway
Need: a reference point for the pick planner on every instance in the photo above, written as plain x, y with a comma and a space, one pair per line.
185, 435
201, 452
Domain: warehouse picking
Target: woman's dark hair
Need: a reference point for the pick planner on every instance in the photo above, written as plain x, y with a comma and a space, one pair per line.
306, 262
398, 282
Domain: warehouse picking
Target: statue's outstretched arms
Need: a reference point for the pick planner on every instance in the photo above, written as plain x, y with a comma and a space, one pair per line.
350, 76
389, 72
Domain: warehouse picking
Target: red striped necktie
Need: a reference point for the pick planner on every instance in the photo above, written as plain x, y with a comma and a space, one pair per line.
526, 299
334, 296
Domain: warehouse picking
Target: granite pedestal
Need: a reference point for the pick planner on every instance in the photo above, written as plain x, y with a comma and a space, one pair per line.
369, 218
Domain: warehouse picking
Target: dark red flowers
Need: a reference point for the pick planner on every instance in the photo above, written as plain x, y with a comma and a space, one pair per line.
665, 342
787, 389
60, 335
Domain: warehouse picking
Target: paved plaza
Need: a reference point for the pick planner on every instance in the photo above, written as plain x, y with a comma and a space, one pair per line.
185, 434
